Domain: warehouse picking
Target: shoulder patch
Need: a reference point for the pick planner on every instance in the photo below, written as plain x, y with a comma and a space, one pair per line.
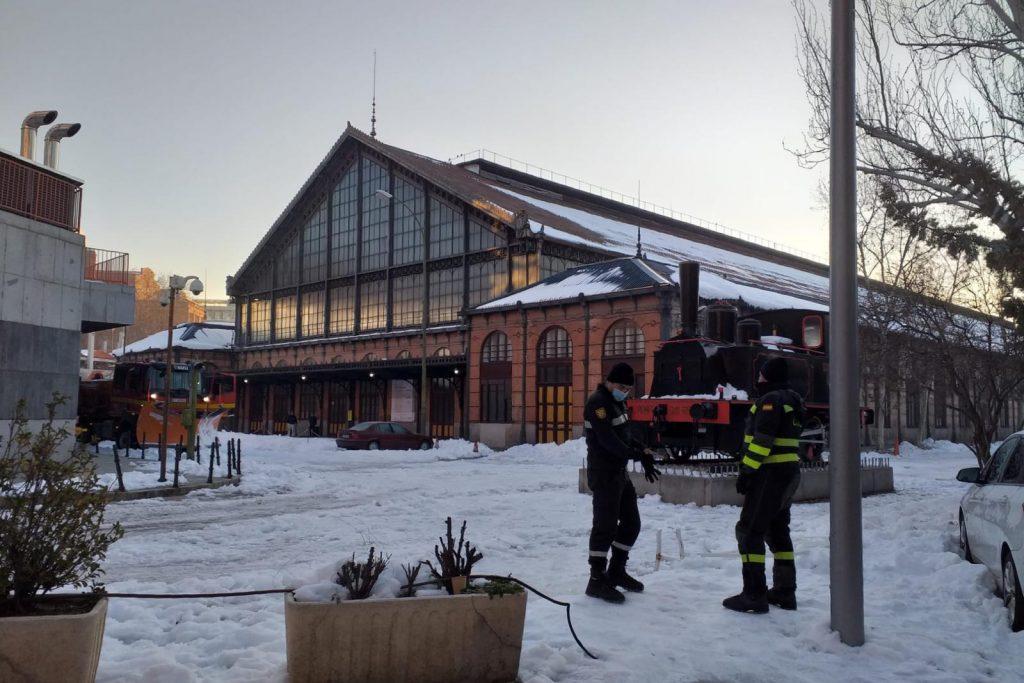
767, 406
601, 413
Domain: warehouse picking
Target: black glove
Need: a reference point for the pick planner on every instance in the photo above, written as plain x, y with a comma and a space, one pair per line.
746, 480
651, 473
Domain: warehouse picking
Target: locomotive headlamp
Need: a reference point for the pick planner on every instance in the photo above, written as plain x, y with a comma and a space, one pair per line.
703, 411
153, 396
206, 399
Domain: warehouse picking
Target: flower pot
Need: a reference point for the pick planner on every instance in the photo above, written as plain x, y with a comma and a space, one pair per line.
438, 639
54, 647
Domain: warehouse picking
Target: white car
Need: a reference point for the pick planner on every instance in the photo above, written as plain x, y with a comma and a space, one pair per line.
992, 521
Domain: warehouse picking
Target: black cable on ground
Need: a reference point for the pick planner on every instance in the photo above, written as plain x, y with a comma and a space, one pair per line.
270, 591
566, 605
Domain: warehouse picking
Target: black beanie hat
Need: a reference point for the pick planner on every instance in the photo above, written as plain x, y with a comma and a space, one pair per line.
622, 373
775, 370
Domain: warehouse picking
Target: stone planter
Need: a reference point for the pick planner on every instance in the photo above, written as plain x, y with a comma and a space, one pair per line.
59, 647
442, 639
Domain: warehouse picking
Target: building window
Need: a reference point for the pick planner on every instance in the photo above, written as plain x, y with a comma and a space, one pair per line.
373, 305
445, 295
376, 212
403, 354
550, 265
913, 407
259, 310
446, 229
624, 343
313, 313
314, 246
344, 201
409, 217
343, 305
242, 311
496, 378
941, 408
554, 344
443, 352
407, 300
309, 400
554, 386
487, 280
264, 278
284, 317
484, 235
288, 263
524, 270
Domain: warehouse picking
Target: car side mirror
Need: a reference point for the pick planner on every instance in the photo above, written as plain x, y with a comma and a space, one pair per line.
969, 475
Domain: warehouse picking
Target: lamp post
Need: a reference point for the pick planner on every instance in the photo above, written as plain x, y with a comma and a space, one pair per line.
384, 195
175, 284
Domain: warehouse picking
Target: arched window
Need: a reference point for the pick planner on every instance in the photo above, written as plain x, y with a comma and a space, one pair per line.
624, 343
338, 359
403, 354
371, 356
308, 362
496, 378
282, 363
256, 365
443, 352
554, 386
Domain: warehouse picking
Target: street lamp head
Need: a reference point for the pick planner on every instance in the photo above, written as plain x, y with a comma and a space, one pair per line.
303, 378
383, 195
371, 375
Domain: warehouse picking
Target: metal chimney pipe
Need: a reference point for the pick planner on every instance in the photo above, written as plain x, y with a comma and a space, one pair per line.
689, 296
57, 133
29, 126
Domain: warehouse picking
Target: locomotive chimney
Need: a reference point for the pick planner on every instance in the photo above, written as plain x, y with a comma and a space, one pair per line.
689, 292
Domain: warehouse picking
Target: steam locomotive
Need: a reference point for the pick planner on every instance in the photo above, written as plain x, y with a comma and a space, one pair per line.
705, 379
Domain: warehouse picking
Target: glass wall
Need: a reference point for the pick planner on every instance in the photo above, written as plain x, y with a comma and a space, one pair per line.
446, 229
408, 222
407, 300
313, 313
288, 263
343, 303
487, 280
445, 295
373, 305
344, 205
376, 212
284, 317
314, 246
260, 319
484, 235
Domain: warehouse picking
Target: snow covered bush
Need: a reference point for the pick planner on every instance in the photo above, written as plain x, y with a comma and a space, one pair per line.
360, 577
51, 514
451, 562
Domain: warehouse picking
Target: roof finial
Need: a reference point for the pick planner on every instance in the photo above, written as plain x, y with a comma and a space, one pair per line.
373, 105
639, 244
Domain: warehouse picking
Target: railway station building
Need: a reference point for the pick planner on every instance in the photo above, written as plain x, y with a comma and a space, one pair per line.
500, 295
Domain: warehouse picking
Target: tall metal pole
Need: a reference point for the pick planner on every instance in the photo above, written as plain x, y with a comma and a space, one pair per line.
845, 543
168, 377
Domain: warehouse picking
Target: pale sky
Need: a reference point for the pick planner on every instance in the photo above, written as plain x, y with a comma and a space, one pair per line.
200, 120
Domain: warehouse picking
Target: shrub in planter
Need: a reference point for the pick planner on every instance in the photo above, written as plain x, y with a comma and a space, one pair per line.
51, 526
473, 637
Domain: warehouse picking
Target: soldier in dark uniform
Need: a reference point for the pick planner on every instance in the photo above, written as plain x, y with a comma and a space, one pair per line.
769, 476
616, 522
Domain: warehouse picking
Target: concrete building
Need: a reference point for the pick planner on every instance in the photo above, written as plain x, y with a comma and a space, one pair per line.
53, 287
219, 311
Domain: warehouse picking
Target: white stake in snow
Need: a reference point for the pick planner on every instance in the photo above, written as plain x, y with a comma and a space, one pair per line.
679, 537
657, 555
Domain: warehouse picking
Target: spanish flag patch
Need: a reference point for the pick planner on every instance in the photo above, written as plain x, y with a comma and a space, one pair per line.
767, 406
601, 413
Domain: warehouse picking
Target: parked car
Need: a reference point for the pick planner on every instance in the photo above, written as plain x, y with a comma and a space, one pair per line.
382, 435
992, 521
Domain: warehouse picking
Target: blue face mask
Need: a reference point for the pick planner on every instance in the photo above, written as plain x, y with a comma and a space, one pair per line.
619, 394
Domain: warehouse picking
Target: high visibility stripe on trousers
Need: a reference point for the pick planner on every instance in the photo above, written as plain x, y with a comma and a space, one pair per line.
754, 558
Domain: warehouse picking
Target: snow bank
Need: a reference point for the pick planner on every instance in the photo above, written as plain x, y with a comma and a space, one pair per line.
303, 507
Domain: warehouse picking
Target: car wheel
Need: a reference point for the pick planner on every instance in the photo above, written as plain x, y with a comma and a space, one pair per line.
1011, 593
374, 446
965, 545
426, 446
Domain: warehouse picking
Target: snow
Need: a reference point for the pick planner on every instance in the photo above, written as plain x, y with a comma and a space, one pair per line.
738, 270
727, 392
303, 506
196, 336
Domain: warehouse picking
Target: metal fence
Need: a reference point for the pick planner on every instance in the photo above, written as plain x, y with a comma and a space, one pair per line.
30, 191
107, 266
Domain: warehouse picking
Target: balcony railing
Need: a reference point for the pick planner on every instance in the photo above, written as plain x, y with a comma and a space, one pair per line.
37, 193
108, 266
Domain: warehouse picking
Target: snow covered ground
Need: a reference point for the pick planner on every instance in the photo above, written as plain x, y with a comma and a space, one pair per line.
304, 505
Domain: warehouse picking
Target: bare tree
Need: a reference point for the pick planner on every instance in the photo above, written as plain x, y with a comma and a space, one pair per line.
940, 116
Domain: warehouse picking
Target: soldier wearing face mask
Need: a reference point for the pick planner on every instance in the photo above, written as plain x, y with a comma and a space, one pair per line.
616, 523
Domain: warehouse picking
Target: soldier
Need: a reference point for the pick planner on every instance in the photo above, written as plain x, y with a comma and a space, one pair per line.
769, 476
616, 522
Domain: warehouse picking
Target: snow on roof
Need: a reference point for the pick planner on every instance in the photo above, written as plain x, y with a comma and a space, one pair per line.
620, 275
196, 336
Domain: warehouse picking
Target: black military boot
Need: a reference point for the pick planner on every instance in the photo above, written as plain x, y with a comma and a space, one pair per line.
601, 587
617, 572
754, 598
782, 594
